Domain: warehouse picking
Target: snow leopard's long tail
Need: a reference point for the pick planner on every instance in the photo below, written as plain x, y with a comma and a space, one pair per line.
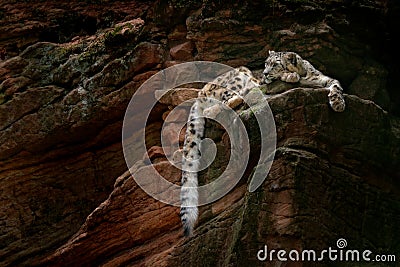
190, 166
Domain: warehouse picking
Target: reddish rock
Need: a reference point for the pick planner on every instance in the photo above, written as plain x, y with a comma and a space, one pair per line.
173, 133
156, 152
134, 218
61, 111
13, 85
24, 24
171, 63
183, 52
3, 53
165, 114
175, 97
176, 115
279, 214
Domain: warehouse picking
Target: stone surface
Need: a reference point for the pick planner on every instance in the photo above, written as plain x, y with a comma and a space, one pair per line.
69, 69
312, 196
155, 152
60, 121
182, 52
128, 216
177, 96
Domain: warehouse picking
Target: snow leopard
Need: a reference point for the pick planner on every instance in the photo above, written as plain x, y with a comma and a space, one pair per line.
230, 88
291, 68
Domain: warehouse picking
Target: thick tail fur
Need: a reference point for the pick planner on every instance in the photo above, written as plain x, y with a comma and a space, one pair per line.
190, 166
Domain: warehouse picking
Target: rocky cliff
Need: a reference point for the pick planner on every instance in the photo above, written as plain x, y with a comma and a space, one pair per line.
68, 71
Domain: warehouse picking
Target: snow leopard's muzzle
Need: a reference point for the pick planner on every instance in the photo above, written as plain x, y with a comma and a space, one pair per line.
269, 75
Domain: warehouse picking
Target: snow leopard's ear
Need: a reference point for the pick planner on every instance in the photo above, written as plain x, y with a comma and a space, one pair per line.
271, 52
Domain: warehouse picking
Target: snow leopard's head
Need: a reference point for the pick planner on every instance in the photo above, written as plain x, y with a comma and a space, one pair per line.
280, 62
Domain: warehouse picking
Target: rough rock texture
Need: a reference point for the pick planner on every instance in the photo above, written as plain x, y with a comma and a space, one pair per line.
68, 71
322, 176
60, 131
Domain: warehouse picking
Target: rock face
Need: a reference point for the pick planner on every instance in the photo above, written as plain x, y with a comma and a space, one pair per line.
68, 71
322, 176
59, 133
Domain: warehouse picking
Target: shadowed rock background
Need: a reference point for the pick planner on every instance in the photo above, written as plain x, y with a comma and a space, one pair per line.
68, 71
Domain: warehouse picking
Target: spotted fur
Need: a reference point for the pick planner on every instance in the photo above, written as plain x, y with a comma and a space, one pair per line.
290, 67
228, 88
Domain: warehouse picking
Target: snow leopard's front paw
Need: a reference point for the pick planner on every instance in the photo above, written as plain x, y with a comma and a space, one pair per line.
290, 77
336, 99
